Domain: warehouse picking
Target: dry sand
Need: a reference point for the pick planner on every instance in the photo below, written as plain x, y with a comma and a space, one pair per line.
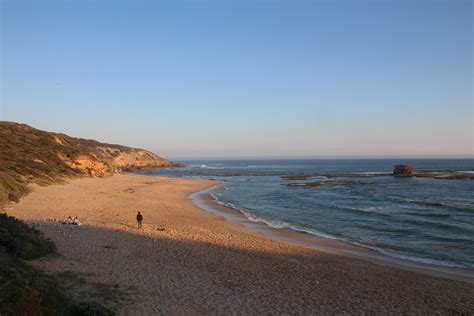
187, 261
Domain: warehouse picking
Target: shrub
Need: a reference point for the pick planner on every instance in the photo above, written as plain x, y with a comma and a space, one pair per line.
11, 189
25, 288
88, 309
23, 240
29, 291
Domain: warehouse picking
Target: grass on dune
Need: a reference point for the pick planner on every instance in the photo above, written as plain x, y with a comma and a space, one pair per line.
30, 155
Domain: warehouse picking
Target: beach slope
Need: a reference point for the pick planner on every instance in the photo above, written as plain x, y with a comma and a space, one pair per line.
187, 261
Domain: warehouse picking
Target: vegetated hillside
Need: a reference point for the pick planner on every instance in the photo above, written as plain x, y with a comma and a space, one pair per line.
29, 155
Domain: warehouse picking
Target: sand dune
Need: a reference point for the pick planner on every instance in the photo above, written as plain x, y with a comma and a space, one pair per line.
187, 261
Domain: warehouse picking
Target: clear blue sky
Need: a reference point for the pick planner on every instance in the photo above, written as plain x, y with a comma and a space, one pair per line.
244, 78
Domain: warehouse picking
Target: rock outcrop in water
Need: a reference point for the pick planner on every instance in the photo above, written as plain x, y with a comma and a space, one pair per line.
403, 170
399, 171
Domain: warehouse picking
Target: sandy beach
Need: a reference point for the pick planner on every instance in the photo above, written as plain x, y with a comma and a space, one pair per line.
188, 261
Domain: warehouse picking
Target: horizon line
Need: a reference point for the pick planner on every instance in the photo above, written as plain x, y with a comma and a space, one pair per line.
322, 157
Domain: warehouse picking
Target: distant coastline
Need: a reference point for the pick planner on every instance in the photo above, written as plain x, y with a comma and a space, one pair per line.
405, 158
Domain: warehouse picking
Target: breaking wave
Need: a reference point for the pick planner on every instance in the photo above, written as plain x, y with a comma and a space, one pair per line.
390, 253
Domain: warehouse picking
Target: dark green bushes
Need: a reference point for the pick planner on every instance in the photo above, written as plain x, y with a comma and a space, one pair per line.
25, 290
23, 241
88, 309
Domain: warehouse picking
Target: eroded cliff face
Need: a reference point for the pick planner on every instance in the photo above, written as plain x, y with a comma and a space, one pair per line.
29, 155
139, 159
105, 161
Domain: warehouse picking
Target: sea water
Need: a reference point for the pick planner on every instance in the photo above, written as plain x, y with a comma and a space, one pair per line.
418, 219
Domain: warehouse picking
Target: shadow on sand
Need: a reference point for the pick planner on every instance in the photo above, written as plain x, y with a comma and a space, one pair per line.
161, 274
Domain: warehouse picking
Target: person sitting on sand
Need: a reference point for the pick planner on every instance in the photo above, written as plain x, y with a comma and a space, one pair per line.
139, 219
75, 221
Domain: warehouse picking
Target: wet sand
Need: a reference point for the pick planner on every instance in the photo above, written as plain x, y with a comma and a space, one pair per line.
188, 261
206, 201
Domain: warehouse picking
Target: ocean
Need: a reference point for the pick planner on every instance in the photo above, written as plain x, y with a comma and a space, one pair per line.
424, 220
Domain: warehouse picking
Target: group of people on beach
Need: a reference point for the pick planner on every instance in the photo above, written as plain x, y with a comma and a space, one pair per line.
72, 221
75, 220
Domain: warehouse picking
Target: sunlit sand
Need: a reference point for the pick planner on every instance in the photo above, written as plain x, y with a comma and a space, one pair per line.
185, 260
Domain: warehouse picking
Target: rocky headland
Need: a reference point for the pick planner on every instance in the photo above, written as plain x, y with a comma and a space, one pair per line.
29, 155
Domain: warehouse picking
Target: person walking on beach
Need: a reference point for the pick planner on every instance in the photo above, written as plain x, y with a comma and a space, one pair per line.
139, 219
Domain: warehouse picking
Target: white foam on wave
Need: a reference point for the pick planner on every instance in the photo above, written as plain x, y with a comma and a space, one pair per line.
272, 223
371, 209
429, 261
284, 225
203, 166
466, 171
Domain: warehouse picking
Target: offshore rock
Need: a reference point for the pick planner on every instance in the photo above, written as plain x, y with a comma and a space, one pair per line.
403, 170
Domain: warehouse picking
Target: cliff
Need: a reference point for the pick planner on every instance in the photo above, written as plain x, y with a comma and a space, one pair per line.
29, 155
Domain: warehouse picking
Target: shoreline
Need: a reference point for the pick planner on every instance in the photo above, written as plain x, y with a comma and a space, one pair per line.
208, 203
185, 260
